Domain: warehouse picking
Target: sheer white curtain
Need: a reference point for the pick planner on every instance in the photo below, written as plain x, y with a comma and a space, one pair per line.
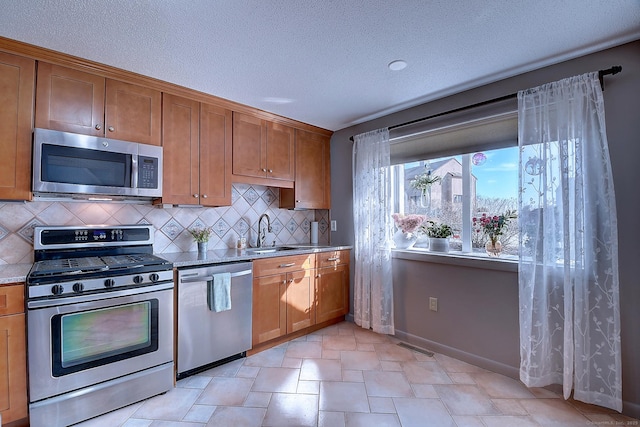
568, 268
373, 288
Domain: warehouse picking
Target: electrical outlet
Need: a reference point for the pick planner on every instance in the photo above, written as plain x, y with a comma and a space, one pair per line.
433, 304
334, 225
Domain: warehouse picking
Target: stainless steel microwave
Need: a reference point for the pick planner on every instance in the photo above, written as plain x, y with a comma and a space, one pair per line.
72, 164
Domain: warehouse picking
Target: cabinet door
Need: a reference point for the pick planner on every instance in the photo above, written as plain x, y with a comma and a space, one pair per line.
300, 296
332, 299
215, 155
69, 100
249, 148
17, 84
13, 368
181, 157
269, 308
133, 113
312, 187
280, 151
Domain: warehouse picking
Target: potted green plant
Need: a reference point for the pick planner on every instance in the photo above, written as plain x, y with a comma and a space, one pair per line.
438, 234
201, 235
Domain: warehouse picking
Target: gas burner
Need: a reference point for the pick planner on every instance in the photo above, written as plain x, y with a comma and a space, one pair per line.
122, 259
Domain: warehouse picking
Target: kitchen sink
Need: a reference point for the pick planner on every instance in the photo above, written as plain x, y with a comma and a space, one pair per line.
272, 249
269, 250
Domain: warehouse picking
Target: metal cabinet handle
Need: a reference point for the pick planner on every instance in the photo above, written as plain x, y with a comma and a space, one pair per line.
209, 278
98, 126
196, 196
291, 264
333, 259
204, 196
270, 170
111, 129
290, 280
264, 170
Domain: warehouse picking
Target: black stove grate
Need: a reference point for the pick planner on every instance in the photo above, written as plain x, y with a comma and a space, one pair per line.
67, 266
88, 265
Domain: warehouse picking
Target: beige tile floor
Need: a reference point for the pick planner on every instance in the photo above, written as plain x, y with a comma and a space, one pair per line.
346, 376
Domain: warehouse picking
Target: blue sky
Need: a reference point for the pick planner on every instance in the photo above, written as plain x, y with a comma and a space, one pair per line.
498, 176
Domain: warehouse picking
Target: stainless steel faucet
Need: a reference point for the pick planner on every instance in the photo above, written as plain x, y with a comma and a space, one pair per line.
261, 235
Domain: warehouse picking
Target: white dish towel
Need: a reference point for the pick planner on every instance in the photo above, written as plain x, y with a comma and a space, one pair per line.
219, 292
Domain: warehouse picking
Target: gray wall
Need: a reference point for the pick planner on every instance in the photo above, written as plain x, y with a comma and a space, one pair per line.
478, 316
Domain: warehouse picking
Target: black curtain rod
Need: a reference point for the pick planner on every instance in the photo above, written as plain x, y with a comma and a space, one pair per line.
613, 70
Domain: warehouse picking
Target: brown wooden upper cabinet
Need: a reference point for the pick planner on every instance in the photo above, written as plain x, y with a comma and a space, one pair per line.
262, 149
196, 139
76, 101
17, 85
312, 187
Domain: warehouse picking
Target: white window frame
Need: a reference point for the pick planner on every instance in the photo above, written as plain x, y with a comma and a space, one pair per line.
466, 256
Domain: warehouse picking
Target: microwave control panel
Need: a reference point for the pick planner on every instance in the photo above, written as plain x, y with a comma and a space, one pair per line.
147, 172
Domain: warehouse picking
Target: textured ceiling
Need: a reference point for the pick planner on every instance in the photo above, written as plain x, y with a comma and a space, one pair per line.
329, 58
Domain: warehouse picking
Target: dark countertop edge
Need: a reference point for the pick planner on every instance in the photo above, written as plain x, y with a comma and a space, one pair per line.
220, 256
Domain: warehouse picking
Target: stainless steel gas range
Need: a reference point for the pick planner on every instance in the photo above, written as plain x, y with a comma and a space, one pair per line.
100, 322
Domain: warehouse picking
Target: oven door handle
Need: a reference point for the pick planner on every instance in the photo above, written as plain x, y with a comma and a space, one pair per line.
210, 277
99, 296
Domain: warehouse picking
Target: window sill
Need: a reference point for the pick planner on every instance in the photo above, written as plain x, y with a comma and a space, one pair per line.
457, 258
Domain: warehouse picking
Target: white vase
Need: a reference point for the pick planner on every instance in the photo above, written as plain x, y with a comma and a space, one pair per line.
422, 242
404, 241
425, 198
439, 244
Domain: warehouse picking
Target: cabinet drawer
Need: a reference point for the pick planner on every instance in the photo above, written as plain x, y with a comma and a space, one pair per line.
11, 299
285, 264
331, 258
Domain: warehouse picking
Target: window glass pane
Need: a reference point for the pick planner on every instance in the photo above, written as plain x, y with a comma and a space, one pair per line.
435, 188
496, 174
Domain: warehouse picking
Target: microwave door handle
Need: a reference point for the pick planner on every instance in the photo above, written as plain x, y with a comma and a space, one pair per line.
134, 171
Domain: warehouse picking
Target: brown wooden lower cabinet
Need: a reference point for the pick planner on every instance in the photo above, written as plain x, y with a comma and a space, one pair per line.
332, 292
269, 308
300, 296
13, 358
300, 300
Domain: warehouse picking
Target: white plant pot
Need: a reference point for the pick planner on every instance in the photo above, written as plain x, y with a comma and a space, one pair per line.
437, 244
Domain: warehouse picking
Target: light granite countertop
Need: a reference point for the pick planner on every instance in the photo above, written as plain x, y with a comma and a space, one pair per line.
13, 273
218, 256
17, 273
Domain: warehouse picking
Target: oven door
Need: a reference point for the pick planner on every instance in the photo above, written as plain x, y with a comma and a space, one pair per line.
95, 338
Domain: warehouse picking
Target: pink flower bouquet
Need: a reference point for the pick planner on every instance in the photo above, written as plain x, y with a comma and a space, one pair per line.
408, 223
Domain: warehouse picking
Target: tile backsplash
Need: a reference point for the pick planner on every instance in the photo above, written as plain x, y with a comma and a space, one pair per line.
17, 220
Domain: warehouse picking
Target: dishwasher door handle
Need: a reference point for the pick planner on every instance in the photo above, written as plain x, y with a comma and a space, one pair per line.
209, 278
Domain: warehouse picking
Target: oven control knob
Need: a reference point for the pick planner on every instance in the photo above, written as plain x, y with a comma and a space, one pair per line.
138, 279
78, 287
154, 277
57, 289
109, 283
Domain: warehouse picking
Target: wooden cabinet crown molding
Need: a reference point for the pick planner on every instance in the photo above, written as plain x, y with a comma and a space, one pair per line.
58, 58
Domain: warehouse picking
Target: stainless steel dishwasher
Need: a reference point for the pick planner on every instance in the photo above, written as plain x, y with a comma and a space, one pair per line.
207, 338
